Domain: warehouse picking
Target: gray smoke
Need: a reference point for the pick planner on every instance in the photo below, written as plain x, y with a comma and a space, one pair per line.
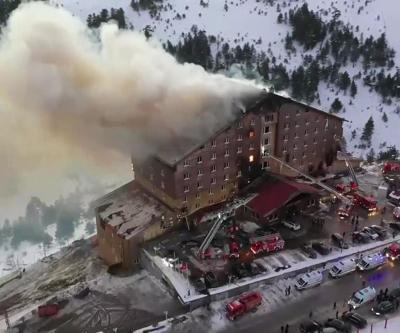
70, 97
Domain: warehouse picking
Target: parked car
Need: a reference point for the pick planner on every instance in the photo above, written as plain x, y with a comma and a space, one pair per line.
355, 319
291, 225
261, 265
383, 308
395, 293
252, 268
269, 230
381, 231
240, 271
395, 226
339, 241
371, 233
339, 325
360, 237
211, 280
309, 251
321, 248
310, 326
199, 285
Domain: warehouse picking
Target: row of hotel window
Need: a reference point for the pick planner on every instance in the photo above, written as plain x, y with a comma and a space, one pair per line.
213, 181
239, 150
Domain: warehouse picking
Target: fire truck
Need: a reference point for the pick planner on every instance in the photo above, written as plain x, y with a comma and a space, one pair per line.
391, 167
267, 243
365, 201
346, 188
393, 251
345, 211
233, 250
246, 303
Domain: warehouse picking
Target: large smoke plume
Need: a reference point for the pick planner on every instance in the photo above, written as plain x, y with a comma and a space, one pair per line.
70, 97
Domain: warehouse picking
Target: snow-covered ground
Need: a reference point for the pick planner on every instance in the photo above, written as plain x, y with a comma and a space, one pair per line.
248, 21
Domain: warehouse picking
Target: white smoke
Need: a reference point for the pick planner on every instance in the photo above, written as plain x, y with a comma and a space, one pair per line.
72, 98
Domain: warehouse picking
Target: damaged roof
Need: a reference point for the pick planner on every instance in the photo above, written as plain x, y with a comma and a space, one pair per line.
175, 152
130, 210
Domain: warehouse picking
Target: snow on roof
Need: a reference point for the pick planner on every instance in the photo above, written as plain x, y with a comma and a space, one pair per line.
130, 210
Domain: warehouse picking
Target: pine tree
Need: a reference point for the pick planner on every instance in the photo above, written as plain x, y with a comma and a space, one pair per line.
336, 106
368, 131
353, 89
371, 155
384, 117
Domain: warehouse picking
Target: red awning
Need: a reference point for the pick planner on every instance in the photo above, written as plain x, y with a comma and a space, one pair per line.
274, 195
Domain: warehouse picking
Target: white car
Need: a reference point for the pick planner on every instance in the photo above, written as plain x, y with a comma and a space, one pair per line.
371, 233
291, 225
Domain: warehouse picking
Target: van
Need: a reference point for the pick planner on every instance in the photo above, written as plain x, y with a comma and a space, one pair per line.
343, 267
372, 261
362, 296
309, 280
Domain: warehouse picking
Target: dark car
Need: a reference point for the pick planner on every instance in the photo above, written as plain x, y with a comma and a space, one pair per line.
321, 248
309, 251
252, 268
395, 226
360, 237
383, 308
211, 280
339, 241
269, 230
381, 231
310, 326
240, 271
199, 285
355, 319
395, 293
339, 325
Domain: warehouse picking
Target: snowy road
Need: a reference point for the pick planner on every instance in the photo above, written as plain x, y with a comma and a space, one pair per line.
294, 309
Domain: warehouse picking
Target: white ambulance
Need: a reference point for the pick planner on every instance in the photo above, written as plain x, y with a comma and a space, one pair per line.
309, 280
362, 296
372, 261
343, 267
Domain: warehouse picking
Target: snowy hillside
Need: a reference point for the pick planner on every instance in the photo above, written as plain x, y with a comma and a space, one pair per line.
240, 21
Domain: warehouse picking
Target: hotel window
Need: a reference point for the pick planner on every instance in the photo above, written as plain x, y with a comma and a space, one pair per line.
251, 158
214, 156
197, 195
197, 205
239, 150
199, 186
265, 164
226, 178
294, 146
186, 163
186, 176
285, 137
295, 135
199, 172
287, 115
297, 112
240, 137
213, 180
186, 189
269, 118
151, 177
226, 152
251, 146
213, 168
315, 130
296, 124
287, 126
214, 143
210, 191
307, 122
252, 134
284, 149
226, 140
306, 132
239, 173
162, 185
185, 198
304, 154
199, 159
266, 152
315, 141
226, 165
222, 187
211, 201
162, 173
240, 124
252, 122
305, 144
266, 141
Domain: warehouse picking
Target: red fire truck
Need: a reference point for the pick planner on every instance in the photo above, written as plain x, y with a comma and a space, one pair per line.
243, 305
346, 188
48, 310
365, 201
393, 251
345, 211
234, 250
391, 167
266, 243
